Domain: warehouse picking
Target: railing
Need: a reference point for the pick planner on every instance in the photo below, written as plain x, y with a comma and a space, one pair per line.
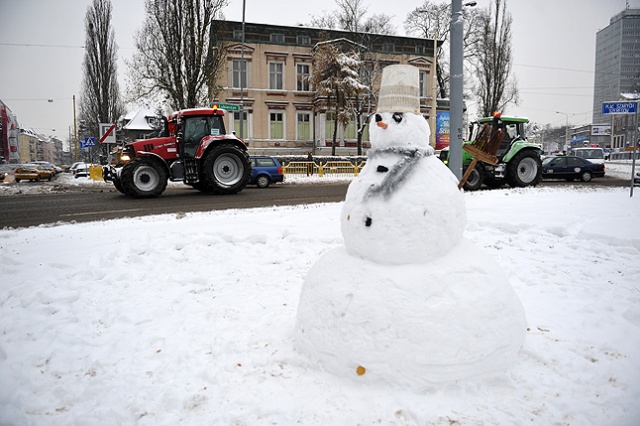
329, 169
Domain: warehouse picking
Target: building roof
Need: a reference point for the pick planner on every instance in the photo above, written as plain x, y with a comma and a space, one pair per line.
137, 120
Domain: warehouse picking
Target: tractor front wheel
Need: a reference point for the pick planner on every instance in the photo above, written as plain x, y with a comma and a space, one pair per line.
474, 181
524, 169
227, 169
143, 177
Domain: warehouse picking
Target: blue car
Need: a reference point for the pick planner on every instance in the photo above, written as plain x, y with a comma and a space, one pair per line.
265, 170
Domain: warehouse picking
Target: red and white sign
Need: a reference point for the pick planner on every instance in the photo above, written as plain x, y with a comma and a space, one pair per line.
108, 132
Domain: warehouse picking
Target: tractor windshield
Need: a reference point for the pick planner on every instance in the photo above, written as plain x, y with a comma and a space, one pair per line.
196, 128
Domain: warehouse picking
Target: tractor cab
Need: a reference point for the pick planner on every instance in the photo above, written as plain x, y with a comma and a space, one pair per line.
513, 128
196, 124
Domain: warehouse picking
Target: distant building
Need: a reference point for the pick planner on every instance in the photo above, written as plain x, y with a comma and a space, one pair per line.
281, 108
9, 130
617, 75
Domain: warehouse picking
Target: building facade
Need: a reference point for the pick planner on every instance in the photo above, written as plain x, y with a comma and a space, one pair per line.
270, 76
617, 74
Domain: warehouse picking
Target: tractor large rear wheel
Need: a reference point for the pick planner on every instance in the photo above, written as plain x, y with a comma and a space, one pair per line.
143, 177
227, 169
524, 169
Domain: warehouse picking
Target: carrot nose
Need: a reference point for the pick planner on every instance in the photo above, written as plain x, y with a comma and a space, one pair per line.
382, 124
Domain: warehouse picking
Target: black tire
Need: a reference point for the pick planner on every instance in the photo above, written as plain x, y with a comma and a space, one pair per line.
263, 181
524, 169
37, 179
118, 184
143, 177
474, 181
586, 176
18, 180
227, 169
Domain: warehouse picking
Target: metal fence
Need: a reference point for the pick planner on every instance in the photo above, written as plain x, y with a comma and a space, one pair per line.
328, 169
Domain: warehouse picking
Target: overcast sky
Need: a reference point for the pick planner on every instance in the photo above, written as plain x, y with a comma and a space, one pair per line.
41, 49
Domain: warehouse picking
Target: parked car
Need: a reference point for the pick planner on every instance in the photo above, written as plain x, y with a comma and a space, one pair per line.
44, 172
25, 172
79, 169
636, 179
570, 168
265, 170
54, 169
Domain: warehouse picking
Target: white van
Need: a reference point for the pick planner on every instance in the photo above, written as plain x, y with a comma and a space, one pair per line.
595, 155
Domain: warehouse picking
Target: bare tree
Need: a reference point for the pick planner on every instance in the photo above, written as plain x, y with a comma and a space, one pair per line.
175, 56
497, 87
100, 100
351, 16
432, 21
336, 79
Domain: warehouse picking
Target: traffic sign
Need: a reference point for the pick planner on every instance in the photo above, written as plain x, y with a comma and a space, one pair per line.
229, 107
619, 107
107, 132
87, 142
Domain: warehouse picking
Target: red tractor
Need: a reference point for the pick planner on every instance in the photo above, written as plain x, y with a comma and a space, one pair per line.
192, 147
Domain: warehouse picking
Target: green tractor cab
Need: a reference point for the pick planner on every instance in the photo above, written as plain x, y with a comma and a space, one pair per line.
499, 153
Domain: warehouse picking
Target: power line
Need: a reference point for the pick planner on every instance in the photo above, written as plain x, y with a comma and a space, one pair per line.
42, 45
553, 68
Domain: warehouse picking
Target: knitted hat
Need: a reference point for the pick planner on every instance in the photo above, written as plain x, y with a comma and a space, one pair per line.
400, 89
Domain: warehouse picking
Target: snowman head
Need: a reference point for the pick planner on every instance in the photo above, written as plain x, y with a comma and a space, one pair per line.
399, 129
398, 122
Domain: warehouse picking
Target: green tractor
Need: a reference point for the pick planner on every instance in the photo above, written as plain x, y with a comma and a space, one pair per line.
499, 153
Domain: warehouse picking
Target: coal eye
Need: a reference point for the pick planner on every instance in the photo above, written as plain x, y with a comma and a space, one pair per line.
397, 116
378, 118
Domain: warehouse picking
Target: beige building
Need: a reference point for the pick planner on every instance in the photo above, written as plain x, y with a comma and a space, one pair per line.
281, 108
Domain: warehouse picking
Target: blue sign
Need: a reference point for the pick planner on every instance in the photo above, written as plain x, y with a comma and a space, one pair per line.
619, 107
87, 142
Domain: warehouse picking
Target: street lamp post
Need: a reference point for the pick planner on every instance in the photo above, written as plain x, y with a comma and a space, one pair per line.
566, 130
75, 127
457, 99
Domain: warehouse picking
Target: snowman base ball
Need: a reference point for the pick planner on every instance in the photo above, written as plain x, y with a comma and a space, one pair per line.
412, 325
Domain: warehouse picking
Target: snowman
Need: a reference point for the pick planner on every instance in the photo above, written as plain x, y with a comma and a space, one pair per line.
407, 301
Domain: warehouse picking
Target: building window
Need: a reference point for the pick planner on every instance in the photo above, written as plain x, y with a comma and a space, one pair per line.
237, 35
423, 81
276, 79
387, 47
245, 124
239, 73
303, 40
329, 126
303, 128
420, 50
303, 77
276, 125
350, 130
277, 38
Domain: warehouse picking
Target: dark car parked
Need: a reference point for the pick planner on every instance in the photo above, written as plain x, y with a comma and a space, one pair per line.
570, 168
265, 170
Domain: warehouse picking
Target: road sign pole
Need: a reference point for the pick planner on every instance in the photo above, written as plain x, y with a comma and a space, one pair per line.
635, 151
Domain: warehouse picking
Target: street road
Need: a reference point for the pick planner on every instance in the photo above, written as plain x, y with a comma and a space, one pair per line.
90, 204
99, 204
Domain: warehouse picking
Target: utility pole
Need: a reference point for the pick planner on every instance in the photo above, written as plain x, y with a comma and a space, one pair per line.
75, 127
457, 100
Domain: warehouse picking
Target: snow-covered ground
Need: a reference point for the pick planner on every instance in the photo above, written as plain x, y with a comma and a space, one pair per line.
189, 318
